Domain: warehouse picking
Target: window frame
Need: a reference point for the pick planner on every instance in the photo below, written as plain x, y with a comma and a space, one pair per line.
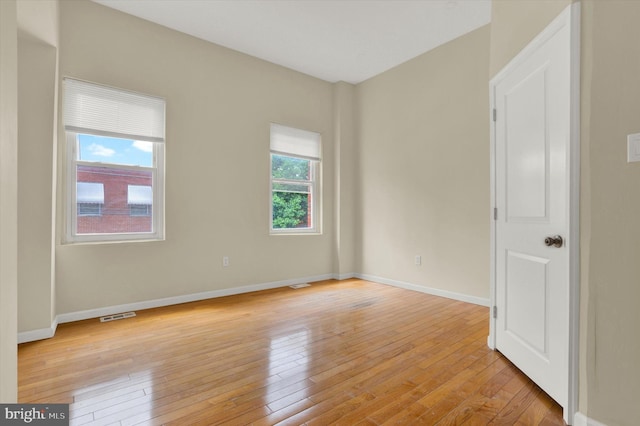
157, 212
315, 183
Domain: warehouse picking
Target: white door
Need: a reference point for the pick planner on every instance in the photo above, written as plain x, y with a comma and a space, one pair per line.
532, 140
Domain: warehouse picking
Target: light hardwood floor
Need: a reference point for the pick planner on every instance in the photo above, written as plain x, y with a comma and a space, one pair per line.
345, 352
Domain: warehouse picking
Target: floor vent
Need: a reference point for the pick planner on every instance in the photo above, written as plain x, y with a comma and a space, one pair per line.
296, 286
117, 316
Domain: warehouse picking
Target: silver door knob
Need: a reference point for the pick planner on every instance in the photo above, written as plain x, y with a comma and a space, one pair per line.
555, 241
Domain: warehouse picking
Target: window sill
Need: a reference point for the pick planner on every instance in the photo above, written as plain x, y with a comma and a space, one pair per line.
84, 242
297, 233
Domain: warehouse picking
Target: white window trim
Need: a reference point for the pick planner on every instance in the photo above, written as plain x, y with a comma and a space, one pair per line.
316, 198
157, 215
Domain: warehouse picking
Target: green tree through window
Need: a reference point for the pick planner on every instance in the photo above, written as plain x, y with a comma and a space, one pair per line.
291, 195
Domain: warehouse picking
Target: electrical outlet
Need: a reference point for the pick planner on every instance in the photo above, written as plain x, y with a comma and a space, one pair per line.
418, 260
225, 261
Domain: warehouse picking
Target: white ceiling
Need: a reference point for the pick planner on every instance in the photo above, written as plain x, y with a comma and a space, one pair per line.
334, 40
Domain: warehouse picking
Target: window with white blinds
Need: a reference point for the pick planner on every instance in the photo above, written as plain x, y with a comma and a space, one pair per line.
115, 152
296, 158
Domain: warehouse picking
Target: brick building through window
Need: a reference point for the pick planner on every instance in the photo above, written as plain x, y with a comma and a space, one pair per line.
122, 204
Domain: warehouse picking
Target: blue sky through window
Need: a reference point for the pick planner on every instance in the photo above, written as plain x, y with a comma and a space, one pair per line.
113, 150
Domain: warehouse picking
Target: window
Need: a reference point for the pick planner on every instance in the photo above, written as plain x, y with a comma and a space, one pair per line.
89, 209
140, 200
89, 198
140, 210
295, 171
115, 164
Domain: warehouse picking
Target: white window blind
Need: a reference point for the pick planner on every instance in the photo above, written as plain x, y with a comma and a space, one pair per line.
139, 194
105, 111
90, 193
295, 142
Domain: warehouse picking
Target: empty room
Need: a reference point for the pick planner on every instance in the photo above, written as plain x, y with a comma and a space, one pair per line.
319, 212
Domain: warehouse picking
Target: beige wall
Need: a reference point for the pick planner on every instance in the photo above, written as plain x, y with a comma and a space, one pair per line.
345, 179
38, 20
424, 169
37, 64
515, 23
611, 86
8, 200
219, 106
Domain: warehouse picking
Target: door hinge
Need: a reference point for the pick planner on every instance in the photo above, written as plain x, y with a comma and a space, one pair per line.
495, 213
495, 312
495, 114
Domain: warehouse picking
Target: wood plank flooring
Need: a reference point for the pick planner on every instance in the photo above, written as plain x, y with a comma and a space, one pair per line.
339, 352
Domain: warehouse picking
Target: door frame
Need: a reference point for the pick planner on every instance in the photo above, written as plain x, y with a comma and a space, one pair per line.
569, 16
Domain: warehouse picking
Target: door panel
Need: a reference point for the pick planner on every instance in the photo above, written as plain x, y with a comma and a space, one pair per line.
526, 316
527, 157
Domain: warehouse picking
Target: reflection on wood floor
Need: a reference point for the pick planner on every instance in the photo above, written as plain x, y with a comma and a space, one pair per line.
346, 352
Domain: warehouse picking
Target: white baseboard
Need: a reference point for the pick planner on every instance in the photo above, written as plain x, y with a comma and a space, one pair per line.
433, 291
43, 333
346, 276
110, 310
582, 420
46, 333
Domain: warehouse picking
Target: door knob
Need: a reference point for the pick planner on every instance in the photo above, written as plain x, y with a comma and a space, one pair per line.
555, 241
